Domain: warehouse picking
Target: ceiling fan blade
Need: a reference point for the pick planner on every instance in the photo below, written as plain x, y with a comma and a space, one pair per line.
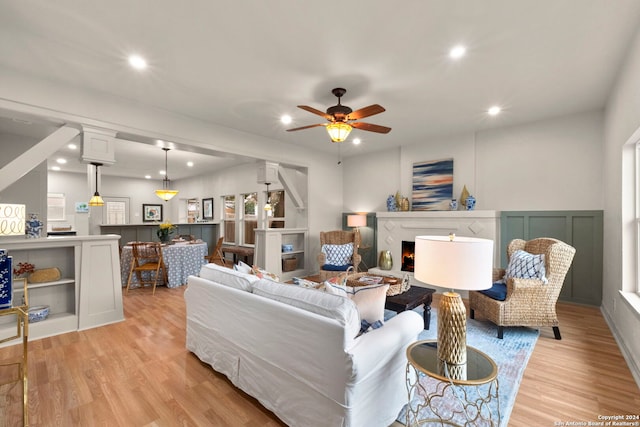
366, 112
306, 127
370, 127
314, 111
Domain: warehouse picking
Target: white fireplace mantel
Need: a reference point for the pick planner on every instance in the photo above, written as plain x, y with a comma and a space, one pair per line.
394, 227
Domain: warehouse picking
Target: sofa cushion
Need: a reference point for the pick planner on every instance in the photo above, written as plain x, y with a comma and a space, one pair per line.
498, 291
332, 306
370, 299
523, 265
228, 277
338, 254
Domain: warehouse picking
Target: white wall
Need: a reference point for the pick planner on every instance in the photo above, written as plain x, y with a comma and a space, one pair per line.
622, 119
548, 165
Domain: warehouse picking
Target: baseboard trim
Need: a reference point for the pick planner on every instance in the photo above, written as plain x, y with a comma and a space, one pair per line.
631, 363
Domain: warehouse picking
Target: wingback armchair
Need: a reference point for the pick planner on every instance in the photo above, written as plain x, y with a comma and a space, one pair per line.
334, 257
528, 301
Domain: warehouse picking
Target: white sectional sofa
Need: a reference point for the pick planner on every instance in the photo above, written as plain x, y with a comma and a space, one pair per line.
295, 349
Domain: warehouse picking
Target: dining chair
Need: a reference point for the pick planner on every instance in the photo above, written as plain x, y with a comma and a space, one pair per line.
216, 254
147, 258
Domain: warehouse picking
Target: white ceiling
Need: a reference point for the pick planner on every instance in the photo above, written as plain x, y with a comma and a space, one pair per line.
242, 64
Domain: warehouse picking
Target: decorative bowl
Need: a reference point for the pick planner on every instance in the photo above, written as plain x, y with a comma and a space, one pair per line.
287, 248
38, 313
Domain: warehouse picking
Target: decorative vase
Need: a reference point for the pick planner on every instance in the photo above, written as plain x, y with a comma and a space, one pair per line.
391, 204
164, 237
404, 207
386, 260
33, 226
6, 279
470, 203
453, 205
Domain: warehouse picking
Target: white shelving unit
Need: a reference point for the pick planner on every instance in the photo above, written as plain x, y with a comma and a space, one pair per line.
269, 254
89, 292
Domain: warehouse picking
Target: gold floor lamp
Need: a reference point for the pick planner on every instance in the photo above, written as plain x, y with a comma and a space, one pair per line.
455, 263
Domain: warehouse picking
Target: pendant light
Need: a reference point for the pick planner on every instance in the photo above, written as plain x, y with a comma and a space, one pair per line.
96, 200
267, 207
166, 193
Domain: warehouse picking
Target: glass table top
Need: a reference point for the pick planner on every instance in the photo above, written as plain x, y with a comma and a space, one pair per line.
479, 369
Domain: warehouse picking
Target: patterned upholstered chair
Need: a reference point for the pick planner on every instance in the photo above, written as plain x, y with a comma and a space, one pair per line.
528, 301
335, 256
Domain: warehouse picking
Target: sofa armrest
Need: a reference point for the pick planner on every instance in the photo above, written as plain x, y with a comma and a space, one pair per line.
377, 347
527, 290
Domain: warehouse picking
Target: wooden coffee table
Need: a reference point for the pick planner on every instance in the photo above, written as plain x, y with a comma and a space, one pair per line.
411, 299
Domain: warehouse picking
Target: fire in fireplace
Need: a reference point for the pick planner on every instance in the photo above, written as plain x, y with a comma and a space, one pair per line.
408, 255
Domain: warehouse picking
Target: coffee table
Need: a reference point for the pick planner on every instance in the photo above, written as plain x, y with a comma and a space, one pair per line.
411, 299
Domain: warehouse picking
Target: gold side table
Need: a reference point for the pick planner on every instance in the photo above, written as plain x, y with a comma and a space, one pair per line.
462, 381
21, 312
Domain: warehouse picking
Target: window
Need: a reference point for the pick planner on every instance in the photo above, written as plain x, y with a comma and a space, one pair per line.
276, 200
55, 207
250, 218
229, 218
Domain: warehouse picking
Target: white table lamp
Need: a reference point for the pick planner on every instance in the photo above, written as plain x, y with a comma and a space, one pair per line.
455, 263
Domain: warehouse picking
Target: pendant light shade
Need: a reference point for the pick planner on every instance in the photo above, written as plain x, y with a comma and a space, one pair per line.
96, 200
338, 131
166, 193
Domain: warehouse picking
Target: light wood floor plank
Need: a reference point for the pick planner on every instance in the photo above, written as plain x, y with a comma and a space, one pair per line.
138, 373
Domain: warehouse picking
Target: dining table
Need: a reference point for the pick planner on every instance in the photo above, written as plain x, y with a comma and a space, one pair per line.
181, 259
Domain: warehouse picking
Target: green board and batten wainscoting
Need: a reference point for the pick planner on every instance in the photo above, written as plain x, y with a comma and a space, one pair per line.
580, 229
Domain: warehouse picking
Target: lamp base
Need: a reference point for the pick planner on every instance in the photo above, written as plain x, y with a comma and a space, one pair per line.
452, 329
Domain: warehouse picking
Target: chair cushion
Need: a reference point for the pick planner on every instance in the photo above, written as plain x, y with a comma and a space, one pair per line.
498, 291
524, 265
331, 267
338, 254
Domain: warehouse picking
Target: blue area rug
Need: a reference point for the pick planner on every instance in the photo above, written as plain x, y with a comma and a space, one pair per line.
510, 354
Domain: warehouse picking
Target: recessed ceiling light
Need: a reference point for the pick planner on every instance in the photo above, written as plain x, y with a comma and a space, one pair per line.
137, 62
190, 164
72, 146
147, 176
61, 161
356, 141
457, 52
55, 168
163, 173
494, 111
286, 119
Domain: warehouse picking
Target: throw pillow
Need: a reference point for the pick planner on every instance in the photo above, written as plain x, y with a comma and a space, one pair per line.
264, 274
338, 254
369, 300
524, 265
242, 267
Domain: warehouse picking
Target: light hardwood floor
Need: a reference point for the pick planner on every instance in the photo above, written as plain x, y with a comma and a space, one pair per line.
138, 373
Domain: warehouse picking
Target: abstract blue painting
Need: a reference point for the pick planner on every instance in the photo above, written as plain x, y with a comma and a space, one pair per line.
432, 185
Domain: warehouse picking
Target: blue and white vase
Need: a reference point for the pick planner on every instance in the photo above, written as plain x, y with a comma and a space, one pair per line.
470, 203
33, 227
391, 203
6, 279
453, 205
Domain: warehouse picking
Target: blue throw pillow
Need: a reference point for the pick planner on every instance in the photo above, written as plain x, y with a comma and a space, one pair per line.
338, 254
497, 292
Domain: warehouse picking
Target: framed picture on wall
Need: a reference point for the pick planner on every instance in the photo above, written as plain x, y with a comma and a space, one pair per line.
207, 209
151, 213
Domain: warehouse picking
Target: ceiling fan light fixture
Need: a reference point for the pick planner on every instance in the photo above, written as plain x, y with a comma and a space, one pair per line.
338, 131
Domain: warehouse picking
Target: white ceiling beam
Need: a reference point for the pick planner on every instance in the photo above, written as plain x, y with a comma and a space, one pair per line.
25, 162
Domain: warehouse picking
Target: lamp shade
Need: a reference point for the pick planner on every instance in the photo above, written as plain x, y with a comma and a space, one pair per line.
166, 194
454, 262
12, 219
356, 220
338, 131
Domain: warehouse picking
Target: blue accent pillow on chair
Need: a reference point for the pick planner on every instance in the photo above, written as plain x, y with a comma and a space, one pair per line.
497, 292
338, 255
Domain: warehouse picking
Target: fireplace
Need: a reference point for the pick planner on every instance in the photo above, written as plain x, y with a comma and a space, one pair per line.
408, 255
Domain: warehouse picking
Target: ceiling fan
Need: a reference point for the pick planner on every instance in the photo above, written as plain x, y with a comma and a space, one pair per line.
342, 118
